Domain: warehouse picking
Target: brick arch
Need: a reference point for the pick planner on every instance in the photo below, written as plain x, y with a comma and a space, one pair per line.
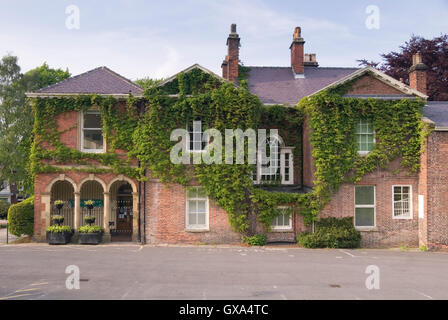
92, 177
62, 177
122, 178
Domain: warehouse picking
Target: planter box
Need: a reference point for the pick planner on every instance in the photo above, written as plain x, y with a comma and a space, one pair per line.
90, 238
59, 237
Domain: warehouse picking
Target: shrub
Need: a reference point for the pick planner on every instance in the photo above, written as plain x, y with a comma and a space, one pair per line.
331, 233
90, 229
4, 206
256, 240
60, 229
21, 218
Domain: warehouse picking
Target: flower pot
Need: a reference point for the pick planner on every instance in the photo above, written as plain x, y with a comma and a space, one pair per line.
90, 238
59, 237
89, 206
59, 206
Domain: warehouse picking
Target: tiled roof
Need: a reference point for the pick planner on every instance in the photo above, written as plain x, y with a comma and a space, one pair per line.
277, 85
437, 111
101, 80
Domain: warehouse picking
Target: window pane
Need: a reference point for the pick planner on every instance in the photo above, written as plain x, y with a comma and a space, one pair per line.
92, 120
192, 206
93, 139
201, 218
191, 219
365, 217
365, 195
201, 206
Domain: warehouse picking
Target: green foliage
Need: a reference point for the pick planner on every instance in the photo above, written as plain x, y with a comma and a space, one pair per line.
256, 240
16, 120
43, 76
90, 229
118, 127
21, 218
423, 248
399, 130
4, 206
331, 233
59, 229
148, 83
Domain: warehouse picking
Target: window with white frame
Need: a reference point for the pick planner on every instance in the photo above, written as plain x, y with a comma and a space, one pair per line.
365, 136
91, 133
365, 206
194, 138
283, 221
402, 202
197, 209
279, 168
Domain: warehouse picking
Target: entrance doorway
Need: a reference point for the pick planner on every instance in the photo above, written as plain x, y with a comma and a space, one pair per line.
122, 213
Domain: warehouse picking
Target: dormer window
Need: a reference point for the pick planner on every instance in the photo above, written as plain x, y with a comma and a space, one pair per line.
91, 132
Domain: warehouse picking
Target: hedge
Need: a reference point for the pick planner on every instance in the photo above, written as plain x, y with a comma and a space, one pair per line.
21, 218
4, 206
331, 233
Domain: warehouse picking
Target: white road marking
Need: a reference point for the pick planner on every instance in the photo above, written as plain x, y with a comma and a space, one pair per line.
348, 253
423, 294
283, 297
25, 290
16, 296
39, 284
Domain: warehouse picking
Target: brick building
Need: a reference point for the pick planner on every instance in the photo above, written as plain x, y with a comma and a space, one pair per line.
153, 212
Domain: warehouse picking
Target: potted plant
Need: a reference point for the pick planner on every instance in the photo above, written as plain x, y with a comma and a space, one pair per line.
90, 234
57, 233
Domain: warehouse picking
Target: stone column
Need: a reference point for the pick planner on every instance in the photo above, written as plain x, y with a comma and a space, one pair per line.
135, 221
77, 210
106, 216
45, 214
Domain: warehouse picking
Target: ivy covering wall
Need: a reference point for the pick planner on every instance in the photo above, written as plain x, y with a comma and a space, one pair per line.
142, 128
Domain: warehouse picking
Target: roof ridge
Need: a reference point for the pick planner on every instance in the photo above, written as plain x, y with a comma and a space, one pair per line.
87, 72
122, 77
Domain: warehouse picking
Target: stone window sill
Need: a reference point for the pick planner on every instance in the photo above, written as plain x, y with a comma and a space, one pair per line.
367, 229
197, 230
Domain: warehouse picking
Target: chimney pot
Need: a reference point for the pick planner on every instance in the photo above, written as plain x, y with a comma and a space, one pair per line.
233, 28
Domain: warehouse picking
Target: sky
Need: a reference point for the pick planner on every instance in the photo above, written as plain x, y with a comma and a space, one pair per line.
157, 39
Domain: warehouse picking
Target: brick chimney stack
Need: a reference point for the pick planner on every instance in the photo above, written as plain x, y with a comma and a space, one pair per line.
417, 74
297, 53
230, 63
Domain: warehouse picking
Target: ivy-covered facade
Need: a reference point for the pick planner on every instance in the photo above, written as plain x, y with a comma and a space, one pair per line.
350, 144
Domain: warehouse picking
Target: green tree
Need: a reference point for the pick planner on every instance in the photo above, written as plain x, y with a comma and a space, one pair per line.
16, 119
147, 83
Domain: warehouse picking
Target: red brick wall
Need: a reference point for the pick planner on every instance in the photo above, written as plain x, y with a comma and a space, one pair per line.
307, 149
166, 219
370, 85
437, 190
389, 231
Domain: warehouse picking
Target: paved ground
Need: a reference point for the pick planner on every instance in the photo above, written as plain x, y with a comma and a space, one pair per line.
3, 236
125, 271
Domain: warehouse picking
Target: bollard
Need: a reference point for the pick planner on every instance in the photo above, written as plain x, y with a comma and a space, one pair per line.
7, 233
